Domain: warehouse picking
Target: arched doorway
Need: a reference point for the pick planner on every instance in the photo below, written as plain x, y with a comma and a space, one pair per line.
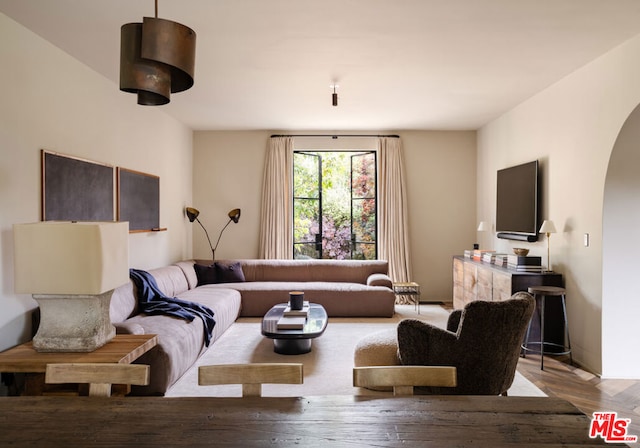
620, 257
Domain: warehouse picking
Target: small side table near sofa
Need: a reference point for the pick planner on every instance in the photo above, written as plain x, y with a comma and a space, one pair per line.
122, 349
410, 289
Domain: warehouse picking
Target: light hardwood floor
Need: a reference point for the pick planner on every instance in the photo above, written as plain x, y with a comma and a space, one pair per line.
584, 390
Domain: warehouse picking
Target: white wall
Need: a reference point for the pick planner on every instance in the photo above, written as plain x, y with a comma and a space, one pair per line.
441, 183
620, 259
51, 101
440, 168
227, 174
571, 127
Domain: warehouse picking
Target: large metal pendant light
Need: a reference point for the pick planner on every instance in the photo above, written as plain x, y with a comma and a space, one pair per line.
157, 58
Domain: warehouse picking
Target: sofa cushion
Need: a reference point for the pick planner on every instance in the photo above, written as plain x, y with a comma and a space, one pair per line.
224, 302
206, 275
124, 303
228, 272
379, 280
179, 344
170, 279
128, 328
219, 272
189, 272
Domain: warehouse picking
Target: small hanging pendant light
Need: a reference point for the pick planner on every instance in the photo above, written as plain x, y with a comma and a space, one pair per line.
334, 95
157, 58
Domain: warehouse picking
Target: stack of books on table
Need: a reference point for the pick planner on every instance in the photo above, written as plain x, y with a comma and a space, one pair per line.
291, 322
478, 253
468, 253
488, 257
303, 312
501, 259
524, 264
294, 319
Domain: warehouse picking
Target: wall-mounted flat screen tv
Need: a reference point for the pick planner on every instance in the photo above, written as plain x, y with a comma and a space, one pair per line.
517, 202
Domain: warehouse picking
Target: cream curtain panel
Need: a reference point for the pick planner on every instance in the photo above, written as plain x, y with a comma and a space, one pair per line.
276, 230
393, 241
276, 218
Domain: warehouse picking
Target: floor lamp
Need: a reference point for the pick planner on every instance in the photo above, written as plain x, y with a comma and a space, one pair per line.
548, 228
234, 215
192, 214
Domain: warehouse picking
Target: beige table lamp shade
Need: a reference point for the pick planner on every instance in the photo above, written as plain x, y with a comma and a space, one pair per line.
70, 257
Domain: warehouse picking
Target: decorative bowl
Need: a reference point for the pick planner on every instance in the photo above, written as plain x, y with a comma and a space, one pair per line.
520, 251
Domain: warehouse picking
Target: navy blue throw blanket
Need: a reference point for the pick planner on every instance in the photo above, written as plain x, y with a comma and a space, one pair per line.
153, 301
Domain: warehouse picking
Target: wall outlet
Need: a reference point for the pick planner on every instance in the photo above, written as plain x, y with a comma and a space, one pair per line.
586, 240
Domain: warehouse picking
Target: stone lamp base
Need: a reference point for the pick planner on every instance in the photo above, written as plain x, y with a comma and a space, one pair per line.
73, 323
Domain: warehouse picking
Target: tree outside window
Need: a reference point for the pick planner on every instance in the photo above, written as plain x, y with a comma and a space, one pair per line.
335, 205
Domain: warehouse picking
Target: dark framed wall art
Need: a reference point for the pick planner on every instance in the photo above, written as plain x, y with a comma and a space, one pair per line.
75, 189
138, 200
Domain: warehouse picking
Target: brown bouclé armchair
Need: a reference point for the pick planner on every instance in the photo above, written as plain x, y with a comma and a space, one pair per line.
482, 341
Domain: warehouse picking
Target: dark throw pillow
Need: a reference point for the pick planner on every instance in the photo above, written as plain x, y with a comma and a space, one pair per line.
229, 272
205, 274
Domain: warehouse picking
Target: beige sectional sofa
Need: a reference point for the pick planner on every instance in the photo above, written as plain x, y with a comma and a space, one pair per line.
344, 288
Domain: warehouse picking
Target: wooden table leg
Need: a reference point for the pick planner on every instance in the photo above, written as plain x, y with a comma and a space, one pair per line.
33, 384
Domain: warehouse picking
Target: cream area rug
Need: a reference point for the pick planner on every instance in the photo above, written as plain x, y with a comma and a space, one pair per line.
327, 368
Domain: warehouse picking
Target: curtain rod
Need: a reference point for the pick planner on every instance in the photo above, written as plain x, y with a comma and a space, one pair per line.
332, 135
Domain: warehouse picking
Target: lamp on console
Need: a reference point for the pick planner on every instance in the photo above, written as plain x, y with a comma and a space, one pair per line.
484, 226
234, 215
548, 228
71, 269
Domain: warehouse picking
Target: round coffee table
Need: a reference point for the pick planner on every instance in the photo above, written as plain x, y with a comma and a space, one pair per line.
294, 341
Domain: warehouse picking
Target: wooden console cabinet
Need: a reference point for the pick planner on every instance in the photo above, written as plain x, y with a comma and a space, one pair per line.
475, 280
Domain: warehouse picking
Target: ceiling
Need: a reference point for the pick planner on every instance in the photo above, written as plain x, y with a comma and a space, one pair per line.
399, 65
